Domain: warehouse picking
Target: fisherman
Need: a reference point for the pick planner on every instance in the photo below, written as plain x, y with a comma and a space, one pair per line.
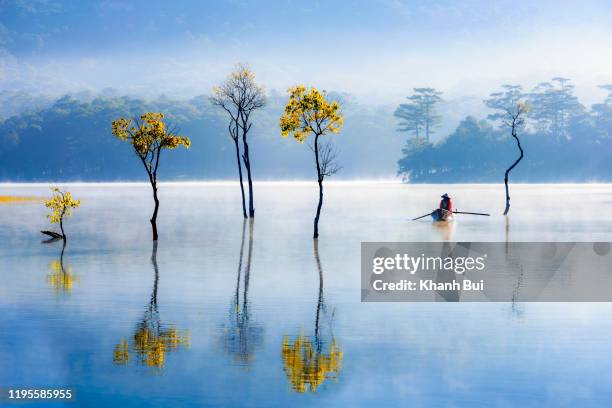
446, 203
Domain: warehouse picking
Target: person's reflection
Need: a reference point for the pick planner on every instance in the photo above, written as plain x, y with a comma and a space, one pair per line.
151, 340
242, 336
306, 360
61, 278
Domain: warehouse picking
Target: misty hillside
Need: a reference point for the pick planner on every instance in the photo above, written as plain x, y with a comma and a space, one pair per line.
71, 140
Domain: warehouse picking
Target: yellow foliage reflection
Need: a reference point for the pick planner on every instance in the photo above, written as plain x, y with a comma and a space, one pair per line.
150, 346
121, 353
61, 278
306, 360
151, 340
306, 366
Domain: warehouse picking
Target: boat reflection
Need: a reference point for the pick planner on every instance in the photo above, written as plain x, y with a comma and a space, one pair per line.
241, 336
309, 361
61, 278
151, 340
446, 230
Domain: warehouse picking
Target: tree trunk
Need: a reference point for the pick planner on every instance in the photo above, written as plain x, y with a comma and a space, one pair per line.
518, 143
156, 270
240, 268
247, 165
62, 229
320, 300
247, 269
320, 181
154, 217
240, 176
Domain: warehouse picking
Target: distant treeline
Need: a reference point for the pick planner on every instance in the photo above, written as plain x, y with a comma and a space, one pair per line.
71, 140
562, 139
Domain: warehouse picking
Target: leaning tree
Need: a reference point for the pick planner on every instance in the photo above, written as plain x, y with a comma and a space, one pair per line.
308, 112
149, 134
511, 110
61, 205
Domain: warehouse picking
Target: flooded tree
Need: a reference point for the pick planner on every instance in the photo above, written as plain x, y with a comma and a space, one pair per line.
149, 135
511, 112
240, 96
309, 113
61, 205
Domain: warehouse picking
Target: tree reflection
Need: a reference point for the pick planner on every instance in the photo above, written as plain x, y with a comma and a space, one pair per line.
151, 339
61, 278
241, 336
306, 360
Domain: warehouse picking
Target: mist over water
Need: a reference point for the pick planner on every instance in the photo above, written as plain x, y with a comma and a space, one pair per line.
233, 305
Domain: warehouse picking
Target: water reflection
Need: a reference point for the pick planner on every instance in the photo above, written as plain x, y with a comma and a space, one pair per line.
61, 278
151, 339
242, 336
446, 230
309, 361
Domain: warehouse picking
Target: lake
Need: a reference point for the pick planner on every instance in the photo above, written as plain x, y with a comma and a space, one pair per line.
231, 313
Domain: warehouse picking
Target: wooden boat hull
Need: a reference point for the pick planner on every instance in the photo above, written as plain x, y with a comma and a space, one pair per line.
442, 215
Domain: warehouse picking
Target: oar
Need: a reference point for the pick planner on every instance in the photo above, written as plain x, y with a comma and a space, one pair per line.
471, 213
422, 216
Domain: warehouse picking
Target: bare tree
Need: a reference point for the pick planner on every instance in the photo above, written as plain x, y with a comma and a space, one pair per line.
510, 109
515, 121
240, 96
224, 98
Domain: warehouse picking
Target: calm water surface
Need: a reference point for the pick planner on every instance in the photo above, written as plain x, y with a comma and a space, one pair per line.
227, 313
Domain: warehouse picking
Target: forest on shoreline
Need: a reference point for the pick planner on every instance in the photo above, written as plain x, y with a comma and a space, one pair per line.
563, 140
69, 139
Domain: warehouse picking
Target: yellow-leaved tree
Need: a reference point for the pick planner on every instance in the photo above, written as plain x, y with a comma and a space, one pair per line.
308, 112
61, 204
149, 134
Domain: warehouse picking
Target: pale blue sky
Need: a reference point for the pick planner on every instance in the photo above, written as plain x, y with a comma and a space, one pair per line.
377, 50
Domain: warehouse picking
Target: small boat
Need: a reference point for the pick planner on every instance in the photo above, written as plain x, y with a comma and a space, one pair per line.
442, 215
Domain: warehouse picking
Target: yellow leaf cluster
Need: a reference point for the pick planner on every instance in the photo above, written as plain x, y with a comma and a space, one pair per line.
308, 111
149, 134
61, 204
306, 367
61, 279
151, 346
121, 354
